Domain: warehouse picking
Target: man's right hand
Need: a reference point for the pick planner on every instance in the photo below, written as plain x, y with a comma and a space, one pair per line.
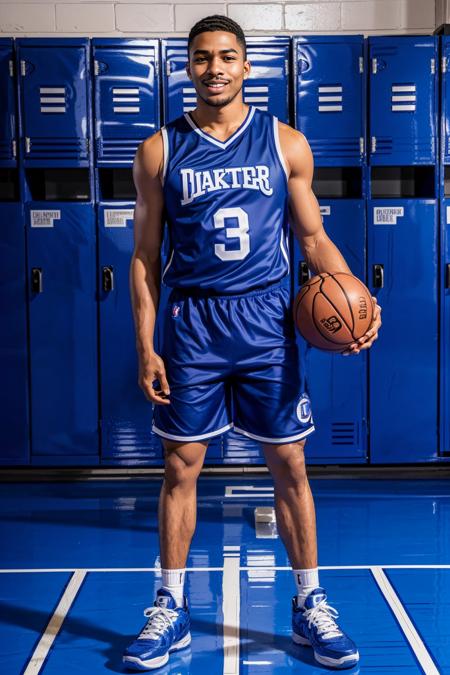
153, 369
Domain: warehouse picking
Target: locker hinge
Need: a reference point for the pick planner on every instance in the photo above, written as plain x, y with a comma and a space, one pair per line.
11, 68
168, 68
444, 62
14, 148
157, 69
433, 66
96, 68
361, 64
373, 147
374, 66
22, 68
27, 144
361, 145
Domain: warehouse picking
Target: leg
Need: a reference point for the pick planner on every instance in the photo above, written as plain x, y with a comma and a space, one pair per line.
177, 512
294, 505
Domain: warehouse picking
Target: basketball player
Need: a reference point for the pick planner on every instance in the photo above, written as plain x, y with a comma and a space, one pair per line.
224, 178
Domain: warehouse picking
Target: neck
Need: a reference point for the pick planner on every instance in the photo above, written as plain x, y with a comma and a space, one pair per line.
220, 117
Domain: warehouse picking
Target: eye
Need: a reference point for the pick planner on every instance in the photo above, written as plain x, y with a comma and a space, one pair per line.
230, 58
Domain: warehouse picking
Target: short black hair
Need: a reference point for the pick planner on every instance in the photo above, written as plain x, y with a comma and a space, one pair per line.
218, 22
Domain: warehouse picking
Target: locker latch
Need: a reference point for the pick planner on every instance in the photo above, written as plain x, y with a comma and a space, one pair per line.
11, 68
374, 66
361, 64
23, 68
14, 148
373, 146
36, 280
303, 273
108, 278
361, 145
433, 66
27, 144
444, 62
168, 68
96, 68
378, 276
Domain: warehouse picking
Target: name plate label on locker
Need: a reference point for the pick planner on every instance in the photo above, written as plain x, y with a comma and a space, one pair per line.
387, 215
448, 215
118, 217
325, 210
44, 218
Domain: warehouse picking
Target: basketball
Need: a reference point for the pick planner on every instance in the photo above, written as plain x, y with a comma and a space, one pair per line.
331, 311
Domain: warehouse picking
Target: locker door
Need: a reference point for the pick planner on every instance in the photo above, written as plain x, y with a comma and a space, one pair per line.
54, 93
445, 329
63, 332
7, 104
329, 97
445, 90
126, 97
403, 245
403, 103
338, 384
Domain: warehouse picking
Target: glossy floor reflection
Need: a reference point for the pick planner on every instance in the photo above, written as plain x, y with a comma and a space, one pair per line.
108, 531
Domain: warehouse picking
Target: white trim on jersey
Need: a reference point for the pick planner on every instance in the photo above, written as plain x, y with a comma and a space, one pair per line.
283, 250
172, 437
288, 439
168, 265
214, 141
165, 139
276, 136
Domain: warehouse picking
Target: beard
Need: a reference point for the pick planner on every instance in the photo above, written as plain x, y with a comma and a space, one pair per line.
219, 102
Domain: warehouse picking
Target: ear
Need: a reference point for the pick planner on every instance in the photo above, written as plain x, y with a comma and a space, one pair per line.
188, 70
247, 69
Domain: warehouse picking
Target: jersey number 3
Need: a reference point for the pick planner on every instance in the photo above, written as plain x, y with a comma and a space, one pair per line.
240, 232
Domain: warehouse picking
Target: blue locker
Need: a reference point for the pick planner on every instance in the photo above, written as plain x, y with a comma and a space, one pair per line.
444, 332
266, 88
63, 332
337, 384
403, 363
7, 104
329, 97
126, 97
55, 101
403, 100
14, 413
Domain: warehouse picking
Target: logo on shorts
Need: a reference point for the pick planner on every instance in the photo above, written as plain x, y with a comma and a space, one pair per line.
175, 311
304, 412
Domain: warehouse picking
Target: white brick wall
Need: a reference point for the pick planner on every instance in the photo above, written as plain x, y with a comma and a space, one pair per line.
156, 18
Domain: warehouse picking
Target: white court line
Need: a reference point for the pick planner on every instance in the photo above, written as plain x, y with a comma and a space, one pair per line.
220, 569
231, 609
40, 653
405, 622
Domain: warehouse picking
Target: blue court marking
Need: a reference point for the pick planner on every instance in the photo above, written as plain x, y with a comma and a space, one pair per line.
266, 645
27, 603
108, 613
425, 595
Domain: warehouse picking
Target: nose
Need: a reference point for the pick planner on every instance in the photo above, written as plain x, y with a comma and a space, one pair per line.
215, 66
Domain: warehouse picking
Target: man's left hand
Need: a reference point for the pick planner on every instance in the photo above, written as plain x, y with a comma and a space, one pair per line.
367, 340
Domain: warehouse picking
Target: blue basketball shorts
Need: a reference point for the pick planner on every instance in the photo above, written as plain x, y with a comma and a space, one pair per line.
232, 362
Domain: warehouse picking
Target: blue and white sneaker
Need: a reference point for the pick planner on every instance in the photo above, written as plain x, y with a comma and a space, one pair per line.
314, 625
167, 629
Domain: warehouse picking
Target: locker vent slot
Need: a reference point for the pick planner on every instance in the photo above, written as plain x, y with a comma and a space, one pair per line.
328, 148
330, 98
257, 96
333, 182
52, 99
57, 148
119, 149
125, 440
116, 183
344, 433
189, 99
126, 100
403, 98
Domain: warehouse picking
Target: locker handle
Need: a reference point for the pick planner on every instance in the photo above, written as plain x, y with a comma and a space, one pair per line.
108, 278
303, 273
378, 276
447, 275
36, 280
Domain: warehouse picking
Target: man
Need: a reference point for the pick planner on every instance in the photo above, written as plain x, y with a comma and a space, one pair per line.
224, 177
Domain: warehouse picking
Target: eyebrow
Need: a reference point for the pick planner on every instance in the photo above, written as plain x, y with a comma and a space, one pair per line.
222, 51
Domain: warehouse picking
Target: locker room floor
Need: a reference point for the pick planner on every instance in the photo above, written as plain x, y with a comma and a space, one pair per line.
80, 561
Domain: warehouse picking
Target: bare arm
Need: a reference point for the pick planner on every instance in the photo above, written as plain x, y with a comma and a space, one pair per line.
145, 267
319, 251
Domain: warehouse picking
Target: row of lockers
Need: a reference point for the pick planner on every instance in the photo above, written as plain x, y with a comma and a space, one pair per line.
81, 99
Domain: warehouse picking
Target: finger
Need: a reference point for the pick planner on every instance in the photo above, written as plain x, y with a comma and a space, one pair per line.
158, 397
164, 383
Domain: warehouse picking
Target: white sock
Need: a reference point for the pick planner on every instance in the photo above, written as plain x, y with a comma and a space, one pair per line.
306, 581
173, 581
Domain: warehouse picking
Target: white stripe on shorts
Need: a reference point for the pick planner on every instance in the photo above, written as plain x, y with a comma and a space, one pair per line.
287, 439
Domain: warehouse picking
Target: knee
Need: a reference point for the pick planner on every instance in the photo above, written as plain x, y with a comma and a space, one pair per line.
288, 464
181, 471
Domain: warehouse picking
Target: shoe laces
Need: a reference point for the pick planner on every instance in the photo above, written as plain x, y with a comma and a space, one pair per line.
322, 616
159, 619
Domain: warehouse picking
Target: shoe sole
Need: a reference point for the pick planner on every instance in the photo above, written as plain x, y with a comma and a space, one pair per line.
343, 662
151, 664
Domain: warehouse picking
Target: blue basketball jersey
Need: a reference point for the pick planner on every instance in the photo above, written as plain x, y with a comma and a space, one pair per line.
226, 206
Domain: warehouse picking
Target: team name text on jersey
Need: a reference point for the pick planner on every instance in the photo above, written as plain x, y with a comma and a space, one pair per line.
197, 183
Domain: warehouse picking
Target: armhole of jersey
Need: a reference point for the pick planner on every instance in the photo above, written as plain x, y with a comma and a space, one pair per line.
276, 136
165, 139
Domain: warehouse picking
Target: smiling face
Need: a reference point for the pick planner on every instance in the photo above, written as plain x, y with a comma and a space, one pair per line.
217, 67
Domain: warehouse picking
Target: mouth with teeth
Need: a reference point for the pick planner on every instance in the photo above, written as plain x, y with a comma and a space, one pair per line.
215, 87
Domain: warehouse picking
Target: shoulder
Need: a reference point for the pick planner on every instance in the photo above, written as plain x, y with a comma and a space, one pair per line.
149, 158
295, 149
